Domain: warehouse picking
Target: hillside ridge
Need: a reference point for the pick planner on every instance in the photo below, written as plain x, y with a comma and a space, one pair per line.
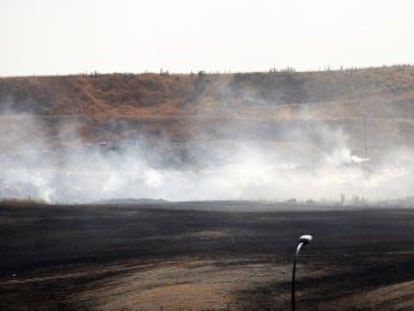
180, 107
347, 93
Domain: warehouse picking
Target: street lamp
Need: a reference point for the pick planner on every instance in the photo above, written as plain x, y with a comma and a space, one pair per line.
303, 240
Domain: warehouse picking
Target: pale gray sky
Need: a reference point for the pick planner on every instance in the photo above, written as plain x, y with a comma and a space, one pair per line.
72, 36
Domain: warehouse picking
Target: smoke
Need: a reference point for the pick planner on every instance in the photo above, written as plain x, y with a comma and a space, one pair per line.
313, 162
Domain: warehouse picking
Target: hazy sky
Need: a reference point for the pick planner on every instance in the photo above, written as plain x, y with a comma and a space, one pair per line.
72, 36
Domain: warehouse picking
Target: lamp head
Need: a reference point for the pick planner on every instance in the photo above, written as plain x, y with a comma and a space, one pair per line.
305, 239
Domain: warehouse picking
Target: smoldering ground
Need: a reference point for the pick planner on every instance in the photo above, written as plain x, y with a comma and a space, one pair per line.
306, 160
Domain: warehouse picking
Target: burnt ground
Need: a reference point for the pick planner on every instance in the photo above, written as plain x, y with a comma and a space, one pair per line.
204, 256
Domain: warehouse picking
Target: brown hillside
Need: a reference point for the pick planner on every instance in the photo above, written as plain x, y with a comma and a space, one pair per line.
114, 106
346, 93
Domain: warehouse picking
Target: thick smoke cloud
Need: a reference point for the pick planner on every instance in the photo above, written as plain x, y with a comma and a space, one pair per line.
318, 165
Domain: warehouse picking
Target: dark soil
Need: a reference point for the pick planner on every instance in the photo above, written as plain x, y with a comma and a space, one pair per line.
65, 257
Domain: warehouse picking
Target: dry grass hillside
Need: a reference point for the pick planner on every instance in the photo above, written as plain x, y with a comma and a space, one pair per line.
116, 106
346, 93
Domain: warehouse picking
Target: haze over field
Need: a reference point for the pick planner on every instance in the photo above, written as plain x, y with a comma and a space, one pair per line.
259, 136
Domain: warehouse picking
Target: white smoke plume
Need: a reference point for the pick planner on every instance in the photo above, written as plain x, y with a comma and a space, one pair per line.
314, 166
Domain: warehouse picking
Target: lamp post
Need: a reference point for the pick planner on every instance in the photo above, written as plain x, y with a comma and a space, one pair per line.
303, 240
